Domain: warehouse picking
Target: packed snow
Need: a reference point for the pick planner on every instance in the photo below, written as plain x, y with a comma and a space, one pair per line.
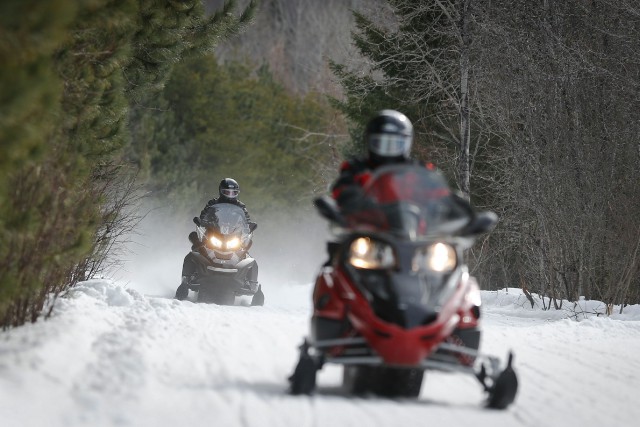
122, 352
111, 356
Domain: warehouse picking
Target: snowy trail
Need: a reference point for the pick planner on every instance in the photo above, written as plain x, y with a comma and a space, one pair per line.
588, 371
114, 357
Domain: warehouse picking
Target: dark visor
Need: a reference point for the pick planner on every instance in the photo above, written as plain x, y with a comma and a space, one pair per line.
231, 193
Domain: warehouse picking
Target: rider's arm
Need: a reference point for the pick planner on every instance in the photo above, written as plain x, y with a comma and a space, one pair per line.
207, 206
348, 188
347, 178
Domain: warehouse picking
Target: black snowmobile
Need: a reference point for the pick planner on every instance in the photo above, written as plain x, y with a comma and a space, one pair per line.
219, 267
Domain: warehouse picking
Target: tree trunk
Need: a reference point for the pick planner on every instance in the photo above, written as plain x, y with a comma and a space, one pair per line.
464, 169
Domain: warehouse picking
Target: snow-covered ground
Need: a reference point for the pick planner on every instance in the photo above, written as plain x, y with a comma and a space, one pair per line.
123, 352
112, 356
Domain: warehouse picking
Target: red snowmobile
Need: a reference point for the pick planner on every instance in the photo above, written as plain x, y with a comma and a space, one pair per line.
396, 297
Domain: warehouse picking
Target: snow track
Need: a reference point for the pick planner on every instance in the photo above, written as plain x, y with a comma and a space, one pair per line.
113, 357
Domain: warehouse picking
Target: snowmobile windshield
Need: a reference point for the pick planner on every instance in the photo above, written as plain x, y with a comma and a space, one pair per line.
226, 219
411, 202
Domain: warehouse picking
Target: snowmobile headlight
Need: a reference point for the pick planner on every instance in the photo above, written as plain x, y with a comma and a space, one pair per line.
234, 243
438, 257
371, 254
217, 243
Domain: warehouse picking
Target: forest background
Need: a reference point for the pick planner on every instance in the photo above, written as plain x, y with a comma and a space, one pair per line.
529, 108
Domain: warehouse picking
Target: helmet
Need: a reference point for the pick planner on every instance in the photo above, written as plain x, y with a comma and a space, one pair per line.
229, 188
389, 135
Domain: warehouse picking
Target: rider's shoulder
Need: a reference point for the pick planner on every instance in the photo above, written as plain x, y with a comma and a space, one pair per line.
354, 165
427, 165
346, 165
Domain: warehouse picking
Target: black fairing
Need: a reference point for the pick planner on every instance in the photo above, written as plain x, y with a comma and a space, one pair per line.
401, 299
400, 296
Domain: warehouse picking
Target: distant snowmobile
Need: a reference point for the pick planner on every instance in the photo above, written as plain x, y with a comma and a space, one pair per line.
396, 298
223, 268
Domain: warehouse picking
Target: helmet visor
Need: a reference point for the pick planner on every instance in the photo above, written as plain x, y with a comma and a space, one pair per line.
230, 193
390, 145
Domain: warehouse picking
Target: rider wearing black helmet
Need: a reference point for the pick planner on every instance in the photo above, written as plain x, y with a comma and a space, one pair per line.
228, 191
388, 137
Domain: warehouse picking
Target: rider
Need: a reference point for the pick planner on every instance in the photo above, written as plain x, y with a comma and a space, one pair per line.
228, 191
388, 137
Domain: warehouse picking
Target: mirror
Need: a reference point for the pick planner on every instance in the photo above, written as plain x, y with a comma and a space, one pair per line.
482, 222
193, 238
328, 208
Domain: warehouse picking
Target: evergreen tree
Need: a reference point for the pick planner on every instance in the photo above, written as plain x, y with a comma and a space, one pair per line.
67, 101
237, 123
169, 31
94, 126
418, 63
30, 94
29, 87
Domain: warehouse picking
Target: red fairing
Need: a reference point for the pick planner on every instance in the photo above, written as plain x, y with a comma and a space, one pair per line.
333, 308
392, 188
396, 345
